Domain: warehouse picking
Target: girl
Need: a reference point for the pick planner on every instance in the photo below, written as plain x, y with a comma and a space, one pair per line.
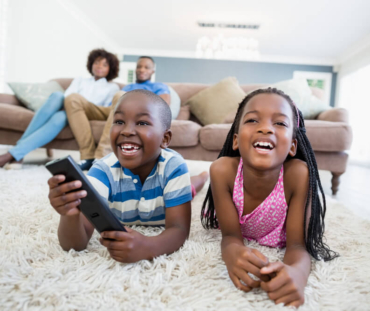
50, 119
264, 187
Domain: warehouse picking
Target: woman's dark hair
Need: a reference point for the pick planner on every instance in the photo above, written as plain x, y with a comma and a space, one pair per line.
111, 59
315, 245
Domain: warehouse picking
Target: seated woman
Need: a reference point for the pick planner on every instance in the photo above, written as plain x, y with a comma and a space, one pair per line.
50, 119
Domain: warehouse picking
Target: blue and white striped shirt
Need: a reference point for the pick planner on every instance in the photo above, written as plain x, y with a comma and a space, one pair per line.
167, 185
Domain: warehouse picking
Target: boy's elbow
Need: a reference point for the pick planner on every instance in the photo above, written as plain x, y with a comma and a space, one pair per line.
68, 246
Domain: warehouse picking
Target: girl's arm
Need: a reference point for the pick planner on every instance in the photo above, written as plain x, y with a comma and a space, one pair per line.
238, 258
291, 275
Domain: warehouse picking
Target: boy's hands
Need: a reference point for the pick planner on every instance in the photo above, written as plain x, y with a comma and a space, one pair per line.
127, 246
240, 260
65, 203
287, 286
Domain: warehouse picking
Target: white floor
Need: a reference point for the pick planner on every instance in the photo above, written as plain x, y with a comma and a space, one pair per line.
353, 189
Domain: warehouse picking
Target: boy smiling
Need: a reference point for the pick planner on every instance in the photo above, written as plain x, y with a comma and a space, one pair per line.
144, 183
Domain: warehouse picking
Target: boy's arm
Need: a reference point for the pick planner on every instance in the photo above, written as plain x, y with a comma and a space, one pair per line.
292, 274
176, 231
132, 246
74, 232
74, 229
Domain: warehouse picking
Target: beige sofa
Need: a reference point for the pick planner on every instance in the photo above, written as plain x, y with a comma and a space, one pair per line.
330, 134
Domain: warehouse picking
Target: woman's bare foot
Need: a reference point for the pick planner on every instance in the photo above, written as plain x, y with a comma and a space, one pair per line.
6, 158
198, 181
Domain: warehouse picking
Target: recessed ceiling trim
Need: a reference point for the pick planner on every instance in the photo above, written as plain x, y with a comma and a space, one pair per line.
205, 24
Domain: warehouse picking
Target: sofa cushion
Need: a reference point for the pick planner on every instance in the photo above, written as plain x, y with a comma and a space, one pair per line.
212, 104
17, 118
212, 137
34, 95
334, 115
14, 117
184, 113
185, 133
323, 135
329, 136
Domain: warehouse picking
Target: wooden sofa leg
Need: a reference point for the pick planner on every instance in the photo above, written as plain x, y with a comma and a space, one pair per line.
335, 182
49, 153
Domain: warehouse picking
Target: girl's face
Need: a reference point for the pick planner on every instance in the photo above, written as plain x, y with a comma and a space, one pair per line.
265, 135
100, 68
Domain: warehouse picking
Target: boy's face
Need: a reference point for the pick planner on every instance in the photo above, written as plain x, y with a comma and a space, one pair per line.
137, 134
144, 69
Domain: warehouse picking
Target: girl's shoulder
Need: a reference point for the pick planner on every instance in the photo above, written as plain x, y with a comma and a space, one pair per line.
225, 168
296, 174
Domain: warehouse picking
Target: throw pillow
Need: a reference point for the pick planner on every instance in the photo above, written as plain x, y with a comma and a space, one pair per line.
175, 103
213, 103
230, 117
301, 94
34, 95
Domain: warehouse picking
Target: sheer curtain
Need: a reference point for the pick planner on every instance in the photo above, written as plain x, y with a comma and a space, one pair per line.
354, 95
4, 22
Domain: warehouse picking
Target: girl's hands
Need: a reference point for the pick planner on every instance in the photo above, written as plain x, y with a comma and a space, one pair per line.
240, 260
287, 286
65, 203
127, 246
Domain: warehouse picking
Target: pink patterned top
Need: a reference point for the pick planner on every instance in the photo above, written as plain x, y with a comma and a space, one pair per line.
266, 224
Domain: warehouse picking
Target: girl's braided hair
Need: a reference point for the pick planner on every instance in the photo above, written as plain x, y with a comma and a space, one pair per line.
315, 245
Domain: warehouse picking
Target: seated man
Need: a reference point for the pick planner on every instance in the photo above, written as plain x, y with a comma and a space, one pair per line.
145, 68
78, 115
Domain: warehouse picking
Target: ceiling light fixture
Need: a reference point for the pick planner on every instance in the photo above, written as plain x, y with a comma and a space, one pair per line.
234, 48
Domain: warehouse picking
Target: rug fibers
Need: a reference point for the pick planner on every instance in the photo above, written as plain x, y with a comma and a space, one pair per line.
36, 274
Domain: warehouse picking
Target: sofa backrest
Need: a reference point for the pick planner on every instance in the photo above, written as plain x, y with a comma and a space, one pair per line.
187, 90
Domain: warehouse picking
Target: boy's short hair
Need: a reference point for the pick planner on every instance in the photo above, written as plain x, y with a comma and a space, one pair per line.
164, 110
148, 57
111, 59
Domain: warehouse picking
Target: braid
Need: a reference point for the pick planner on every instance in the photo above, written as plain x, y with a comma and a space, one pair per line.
315, 245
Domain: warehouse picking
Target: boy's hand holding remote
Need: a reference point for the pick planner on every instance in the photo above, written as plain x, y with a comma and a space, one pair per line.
130, 246
74, 229
66, 204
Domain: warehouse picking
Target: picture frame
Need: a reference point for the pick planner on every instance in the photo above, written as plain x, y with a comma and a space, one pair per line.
320, 80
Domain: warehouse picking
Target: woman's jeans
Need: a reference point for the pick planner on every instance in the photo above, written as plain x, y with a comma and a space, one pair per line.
46, 124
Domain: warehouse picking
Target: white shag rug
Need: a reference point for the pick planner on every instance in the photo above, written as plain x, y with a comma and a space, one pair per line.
36, 274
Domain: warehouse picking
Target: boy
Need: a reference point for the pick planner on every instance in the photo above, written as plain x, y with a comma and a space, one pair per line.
144, 183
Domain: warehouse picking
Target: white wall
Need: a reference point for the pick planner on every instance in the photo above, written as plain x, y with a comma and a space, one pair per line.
50, 39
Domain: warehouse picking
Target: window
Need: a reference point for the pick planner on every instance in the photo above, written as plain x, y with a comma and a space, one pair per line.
354, 95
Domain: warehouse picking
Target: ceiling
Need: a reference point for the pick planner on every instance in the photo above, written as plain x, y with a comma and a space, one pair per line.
316, 29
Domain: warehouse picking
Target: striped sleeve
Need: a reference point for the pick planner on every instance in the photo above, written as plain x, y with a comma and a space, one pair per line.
100, 181
177, 189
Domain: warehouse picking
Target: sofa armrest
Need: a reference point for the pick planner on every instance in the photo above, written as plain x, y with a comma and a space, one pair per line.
9, 99
334, 115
